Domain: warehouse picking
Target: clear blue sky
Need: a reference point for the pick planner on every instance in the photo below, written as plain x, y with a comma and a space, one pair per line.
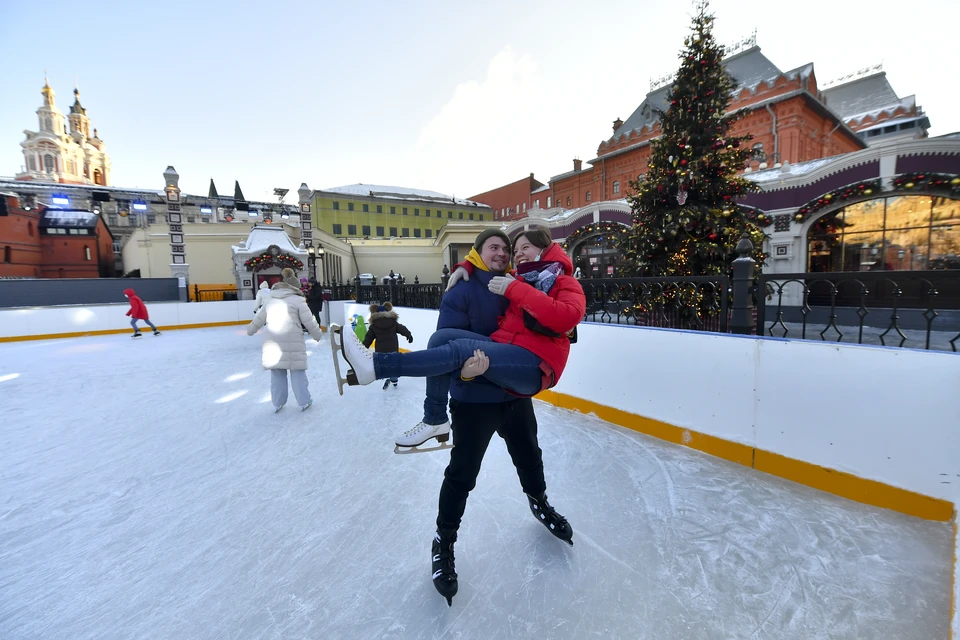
453, 97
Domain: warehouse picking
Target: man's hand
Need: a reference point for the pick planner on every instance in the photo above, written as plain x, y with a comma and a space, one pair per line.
499, 284
410, 339
458, 274
475, 366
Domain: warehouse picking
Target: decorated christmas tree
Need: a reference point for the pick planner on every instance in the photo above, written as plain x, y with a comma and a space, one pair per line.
686, 220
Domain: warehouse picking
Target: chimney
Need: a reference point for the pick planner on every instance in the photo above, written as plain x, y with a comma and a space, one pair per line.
617, 124
577, 163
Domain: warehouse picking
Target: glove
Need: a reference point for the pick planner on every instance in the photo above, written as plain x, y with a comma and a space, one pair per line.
458, 274
499, 284
410, 339
475, 366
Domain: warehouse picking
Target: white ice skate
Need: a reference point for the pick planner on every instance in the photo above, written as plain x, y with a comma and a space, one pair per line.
358, 357
412, 441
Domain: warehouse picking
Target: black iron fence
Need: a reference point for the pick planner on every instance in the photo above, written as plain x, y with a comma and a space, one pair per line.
917, 309
698, 303
397, 291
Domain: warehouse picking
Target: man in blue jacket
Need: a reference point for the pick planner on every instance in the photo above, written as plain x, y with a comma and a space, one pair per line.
479, 409
469, 306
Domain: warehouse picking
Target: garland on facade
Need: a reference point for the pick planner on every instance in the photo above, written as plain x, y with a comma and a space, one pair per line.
851, 191
935, 181
265, 261
617, 230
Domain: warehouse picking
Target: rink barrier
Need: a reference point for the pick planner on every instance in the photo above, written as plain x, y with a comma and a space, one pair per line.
128, 330
839, 483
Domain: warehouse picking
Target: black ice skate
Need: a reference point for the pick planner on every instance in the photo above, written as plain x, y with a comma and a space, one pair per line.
386, 383
136, 334
548, 516
156, 333
444, 571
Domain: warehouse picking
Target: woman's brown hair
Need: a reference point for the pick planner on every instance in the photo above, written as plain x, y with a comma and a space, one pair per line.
537, 236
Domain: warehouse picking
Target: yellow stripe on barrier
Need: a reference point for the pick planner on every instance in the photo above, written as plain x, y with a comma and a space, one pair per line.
838, 483
106, 332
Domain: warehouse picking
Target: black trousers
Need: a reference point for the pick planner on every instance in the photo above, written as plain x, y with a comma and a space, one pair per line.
473, 426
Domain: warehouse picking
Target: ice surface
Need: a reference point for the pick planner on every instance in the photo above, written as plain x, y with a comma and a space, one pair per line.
149, 491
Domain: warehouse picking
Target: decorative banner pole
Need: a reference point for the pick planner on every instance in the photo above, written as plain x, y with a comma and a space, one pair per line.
178, 267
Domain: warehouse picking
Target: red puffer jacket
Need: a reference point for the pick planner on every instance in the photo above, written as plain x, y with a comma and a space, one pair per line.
559, 312
137, 309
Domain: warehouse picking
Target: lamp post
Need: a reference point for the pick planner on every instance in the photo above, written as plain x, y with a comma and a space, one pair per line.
312, 261
319, 255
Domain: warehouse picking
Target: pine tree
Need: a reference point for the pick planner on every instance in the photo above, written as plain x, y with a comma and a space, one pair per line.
686, 220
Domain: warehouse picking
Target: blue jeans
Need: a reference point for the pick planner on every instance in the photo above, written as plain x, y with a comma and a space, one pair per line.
133, 323
511, 367
438, 387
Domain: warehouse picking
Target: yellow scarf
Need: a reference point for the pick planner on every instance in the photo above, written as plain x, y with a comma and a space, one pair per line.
474, 258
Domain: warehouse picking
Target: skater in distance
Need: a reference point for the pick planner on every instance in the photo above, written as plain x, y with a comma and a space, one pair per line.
138, 311
383, 329
284, 349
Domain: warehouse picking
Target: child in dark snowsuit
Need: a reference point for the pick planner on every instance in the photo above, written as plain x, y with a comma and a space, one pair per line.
384, 329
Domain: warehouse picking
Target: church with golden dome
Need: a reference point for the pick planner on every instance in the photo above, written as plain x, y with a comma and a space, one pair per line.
56, 154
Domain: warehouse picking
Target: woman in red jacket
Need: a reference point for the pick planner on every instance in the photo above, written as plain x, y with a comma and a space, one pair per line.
138, 311
529, 351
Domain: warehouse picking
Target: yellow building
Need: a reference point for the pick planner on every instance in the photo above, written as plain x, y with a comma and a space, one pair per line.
375, 211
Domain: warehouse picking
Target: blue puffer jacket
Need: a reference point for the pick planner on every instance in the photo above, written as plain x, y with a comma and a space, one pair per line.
471, 306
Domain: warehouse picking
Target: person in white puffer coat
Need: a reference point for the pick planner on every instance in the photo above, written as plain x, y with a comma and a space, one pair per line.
263, 294
284, 314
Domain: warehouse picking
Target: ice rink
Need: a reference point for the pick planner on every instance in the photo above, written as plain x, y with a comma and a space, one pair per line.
149, 491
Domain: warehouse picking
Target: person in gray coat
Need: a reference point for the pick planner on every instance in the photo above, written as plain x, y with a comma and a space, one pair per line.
284, 348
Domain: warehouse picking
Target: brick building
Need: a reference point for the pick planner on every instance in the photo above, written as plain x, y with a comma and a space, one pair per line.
53, 243
790, 118
510, 202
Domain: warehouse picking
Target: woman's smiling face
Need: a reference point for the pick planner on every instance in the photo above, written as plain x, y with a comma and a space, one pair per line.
525, 251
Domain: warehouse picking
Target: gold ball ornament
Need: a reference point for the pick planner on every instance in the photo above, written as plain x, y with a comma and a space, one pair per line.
867, 192
955, 182
909, 185
798, 217
829, 196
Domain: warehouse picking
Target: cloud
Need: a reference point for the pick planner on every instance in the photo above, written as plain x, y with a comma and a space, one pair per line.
483, 131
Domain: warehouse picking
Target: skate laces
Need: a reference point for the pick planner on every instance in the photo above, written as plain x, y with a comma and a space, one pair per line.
550, 513
416, 430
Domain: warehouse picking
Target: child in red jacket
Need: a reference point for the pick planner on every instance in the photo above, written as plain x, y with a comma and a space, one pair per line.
139, 312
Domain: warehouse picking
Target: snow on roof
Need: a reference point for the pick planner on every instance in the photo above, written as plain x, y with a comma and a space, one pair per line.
907, 103
68, 218
564, 214
788, 171
861, 96
263, 236
545, 187
400, 193
887, 123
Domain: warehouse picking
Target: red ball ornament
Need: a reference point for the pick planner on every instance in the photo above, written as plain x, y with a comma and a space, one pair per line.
683, 163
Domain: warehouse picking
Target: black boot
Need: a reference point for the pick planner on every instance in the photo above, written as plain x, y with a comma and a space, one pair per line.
552, 520
444, 571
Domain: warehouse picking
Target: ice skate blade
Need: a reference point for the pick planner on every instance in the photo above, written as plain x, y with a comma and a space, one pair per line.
336, 345
420, 448
449, 602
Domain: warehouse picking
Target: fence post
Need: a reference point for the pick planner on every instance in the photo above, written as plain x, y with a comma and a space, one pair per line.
196, 293
393, 288
741, 320
444, 279
416, 279
356, 287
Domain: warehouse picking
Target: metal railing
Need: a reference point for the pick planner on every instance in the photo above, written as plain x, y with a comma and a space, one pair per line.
889, 308
695, 302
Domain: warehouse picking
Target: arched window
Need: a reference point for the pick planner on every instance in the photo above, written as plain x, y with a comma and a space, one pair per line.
897, 233
616, 187
548, 202
30, 229
97, 177
49, 164
6, 255
31, 163
569, 200
86, 252
588, 196
47, 124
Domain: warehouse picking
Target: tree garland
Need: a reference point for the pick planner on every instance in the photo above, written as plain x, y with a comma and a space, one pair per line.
615, 228
851, 191
265, 261
936, 181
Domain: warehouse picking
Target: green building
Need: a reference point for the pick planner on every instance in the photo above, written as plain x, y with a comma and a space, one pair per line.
375, 211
